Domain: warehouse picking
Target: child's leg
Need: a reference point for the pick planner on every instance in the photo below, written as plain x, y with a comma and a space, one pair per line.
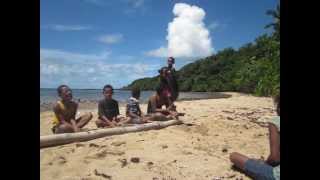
238, 159
119, 119
63, 128
100, 123
159, 117
125, 120
146, 119
254, 168
172, 107
84, 119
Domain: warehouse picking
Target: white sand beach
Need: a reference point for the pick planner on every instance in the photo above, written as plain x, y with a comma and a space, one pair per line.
196, 150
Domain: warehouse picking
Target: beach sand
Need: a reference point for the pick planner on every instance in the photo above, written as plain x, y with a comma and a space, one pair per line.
198, 149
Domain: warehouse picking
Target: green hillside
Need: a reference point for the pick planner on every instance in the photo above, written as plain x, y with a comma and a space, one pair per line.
253, 68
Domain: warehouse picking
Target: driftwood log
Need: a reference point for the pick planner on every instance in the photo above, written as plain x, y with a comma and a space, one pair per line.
60, 139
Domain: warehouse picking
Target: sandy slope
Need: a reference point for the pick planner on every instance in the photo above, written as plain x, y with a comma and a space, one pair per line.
199, 150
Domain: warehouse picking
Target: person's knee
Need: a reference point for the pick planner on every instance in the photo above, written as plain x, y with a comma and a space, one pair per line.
158, 114
64, 129
100, 123
88, 116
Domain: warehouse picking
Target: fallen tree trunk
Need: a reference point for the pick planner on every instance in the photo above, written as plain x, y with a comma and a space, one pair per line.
59, 139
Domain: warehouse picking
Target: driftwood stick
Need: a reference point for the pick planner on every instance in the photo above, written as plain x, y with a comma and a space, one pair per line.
59, 139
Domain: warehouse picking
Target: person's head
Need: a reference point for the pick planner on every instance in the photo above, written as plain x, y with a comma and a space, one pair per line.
160, 94
64, 93
108, 91
170, 61
163, 72
276, 100
135, 92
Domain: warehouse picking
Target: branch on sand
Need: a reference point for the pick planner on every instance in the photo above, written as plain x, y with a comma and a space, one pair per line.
60, 139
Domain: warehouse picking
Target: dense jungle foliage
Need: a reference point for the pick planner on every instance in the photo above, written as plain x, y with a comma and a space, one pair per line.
253, 68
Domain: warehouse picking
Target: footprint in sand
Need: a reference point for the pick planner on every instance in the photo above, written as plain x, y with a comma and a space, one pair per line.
149, 164
79, 145
106, 176
93, 145
164, 146
104, 153
118, 143
59, 160
202, 129
135, 159
186, 152
86, 161
123, 162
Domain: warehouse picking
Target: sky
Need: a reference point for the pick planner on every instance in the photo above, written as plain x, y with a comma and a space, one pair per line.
91, 43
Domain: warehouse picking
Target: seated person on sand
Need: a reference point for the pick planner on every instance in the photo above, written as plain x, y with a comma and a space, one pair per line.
155, 110
65, 111
108, 109
133, 111
258, 169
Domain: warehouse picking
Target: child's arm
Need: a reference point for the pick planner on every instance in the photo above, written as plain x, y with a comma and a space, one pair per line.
117, 112
274, 137
108, 121
74, 125
162, 110
58, 113
73, 121
132, 115
155, 109
140, 112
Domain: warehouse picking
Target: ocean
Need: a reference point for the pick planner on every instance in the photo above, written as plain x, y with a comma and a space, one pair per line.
48, 96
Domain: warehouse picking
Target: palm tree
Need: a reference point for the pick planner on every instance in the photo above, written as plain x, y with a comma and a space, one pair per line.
276, 24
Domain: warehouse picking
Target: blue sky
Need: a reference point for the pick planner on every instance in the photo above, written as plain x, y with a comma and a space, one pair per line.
90, 43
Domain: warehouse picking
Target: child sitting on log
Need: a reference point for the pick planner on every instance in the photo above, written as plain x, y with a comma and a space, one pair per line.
65, 111
269, 169
108, 109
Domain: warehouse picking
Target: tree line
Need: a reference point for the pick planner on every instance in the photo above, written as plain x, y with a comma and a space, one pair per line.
253, 68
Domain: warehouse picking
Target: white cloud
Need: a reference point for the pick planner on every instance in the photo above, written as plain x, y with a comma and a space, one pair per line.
131, 3
65, 57
111, 38
136, 3
59, 27
161, 52
89, 70
134, 6
213, 25
187, 34
96, 2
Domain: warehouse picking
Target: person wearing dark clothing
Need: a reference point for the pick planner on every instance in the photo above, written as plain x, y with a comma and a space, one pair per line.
172, 79
108, 109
